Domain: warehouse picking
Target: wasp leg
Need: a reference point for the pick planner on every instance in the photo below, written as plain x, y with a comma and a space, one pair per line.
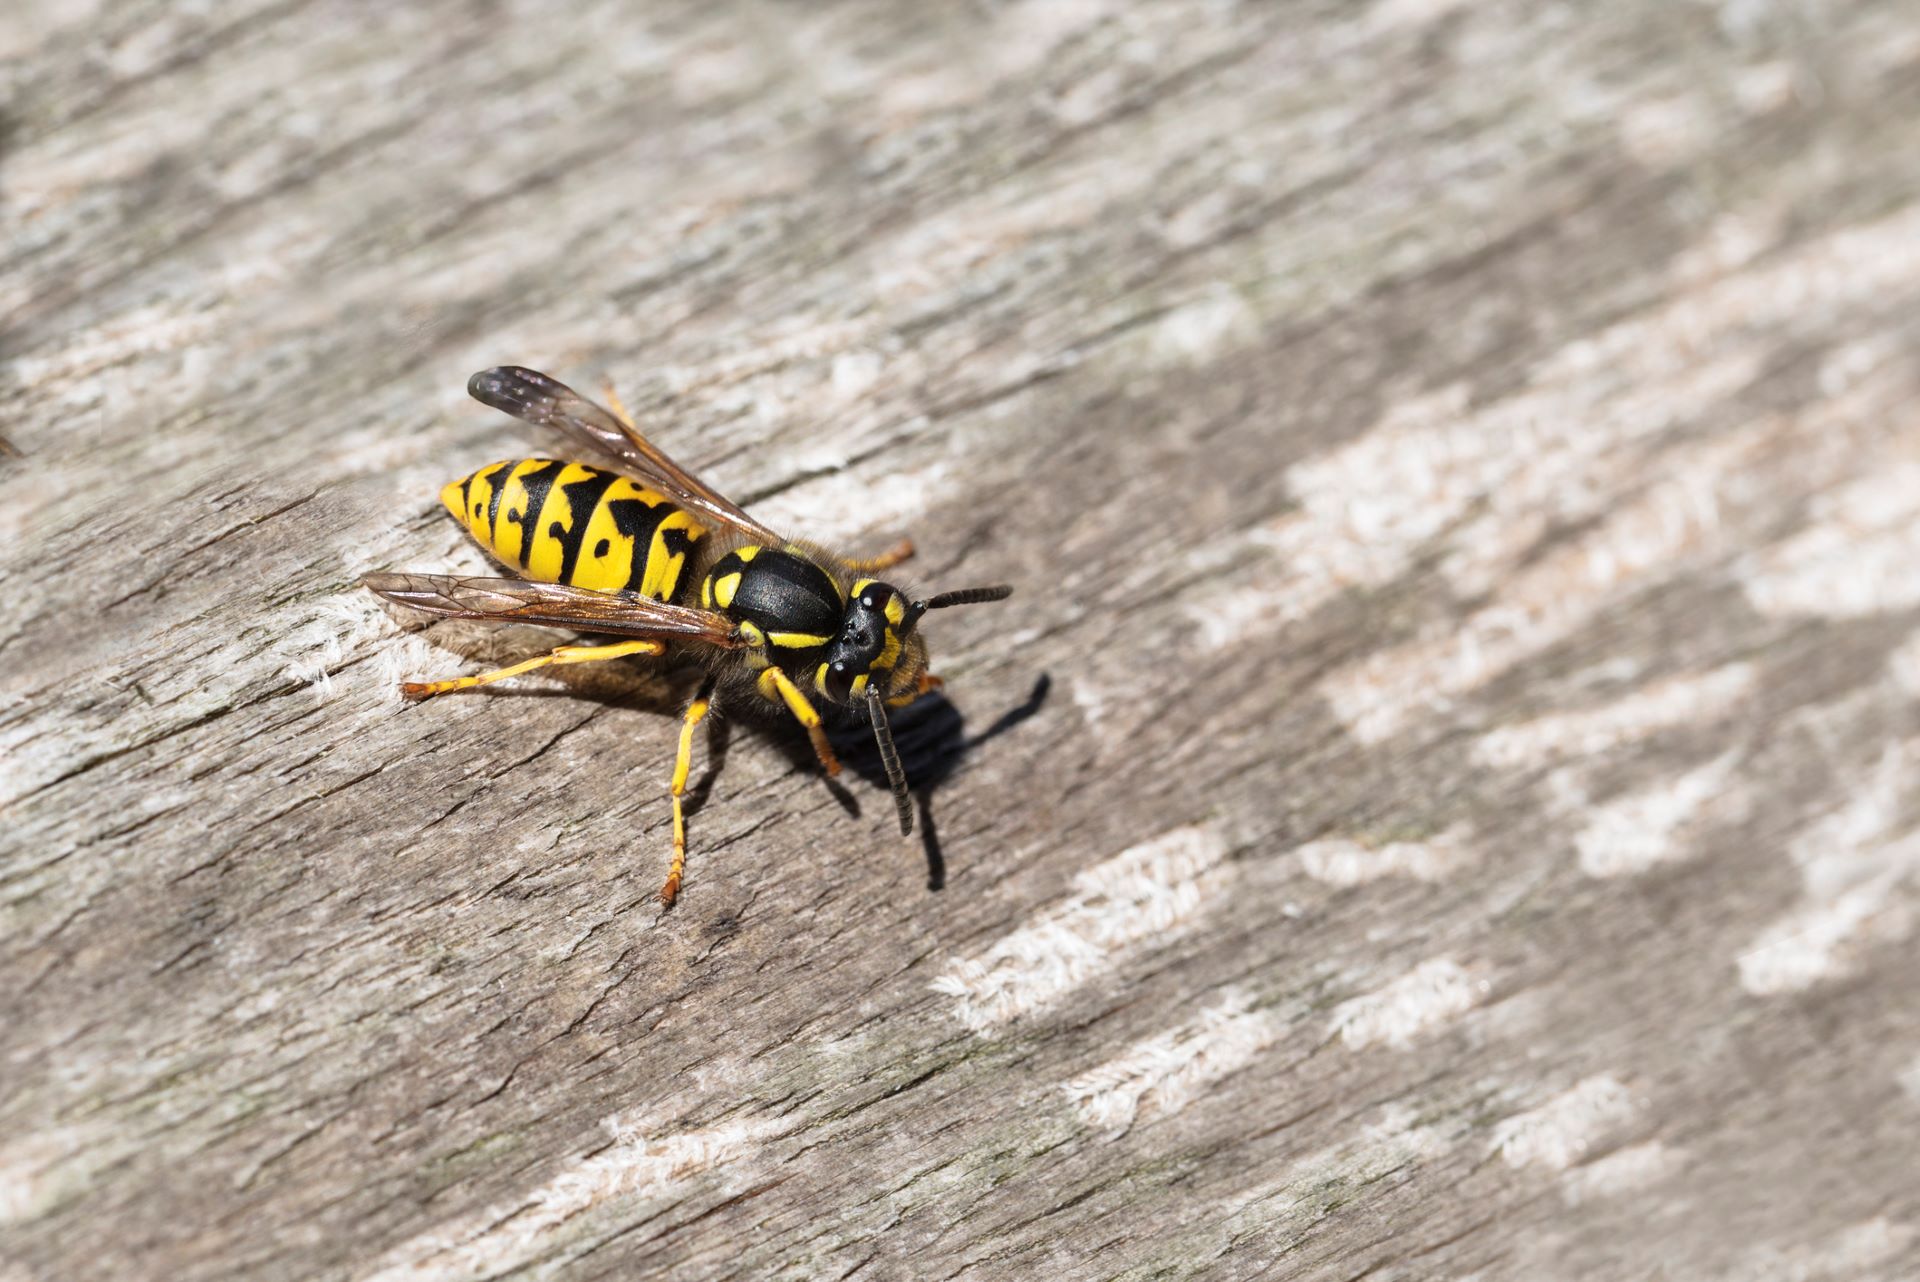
563, 654
618, 406
927, 681
775, 684
891, 557
696, 711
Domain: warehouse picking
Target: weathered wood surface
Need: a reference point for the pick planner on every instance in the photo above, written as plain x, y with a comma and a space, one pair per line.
1461, 464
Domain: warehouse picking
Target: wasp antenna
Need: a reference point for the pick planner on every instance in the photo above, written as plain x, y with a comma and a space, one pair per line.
890, 756
966, 596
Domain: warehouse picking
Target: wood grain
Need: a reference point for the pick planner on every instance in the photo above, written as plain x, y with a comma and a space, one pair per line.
1443, 801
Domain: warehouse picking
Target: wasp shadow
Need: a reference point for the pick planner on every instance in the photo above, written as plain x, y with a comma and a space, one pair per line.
930, 733
655, 687
931, 736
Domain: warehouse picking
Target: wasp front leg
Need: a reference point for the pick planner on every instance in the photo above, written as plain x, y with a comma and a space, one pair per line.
777, 687
560, 655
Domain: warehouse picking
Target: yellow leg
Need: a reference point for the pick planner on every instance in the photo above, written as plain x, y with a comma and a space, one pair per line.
891, 557
776, 685
564, 654
696, 712
926, 682
618, 407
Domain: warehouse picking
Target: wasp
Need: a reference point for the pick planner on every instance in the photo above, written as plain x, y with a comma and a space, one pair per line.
645, 552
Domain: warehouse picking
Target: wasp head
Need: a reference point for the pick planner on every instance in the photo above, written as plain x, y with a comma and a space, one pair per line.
877, 645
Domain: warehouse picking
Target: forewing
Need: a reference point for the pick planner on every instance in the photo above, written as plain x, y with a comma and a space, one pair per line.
522, 601
534, 398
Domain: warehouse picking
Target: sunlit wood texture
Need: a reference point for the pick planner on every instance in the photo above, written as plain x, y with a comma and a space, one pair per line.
1461, 468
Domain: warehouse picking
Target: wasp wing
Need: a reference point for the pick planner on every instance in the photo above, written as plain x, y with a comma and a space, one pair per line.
534, 398
523, 601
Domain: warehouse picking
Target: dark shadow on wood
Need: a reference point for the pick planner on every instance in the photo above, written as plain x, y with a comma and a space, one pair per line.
930, 734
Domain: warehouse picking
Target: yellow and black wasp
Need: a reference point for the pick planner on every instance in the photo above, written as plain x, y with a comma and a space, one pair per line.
648, 553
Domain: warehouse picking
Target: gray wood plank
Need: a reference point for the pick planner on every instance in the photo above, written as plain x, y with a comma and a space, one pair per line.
1442, 802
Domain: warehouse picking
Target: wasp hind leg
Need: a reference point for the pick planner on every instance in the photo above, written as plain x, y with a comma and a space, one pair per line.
776, 686
886, 560
682, 763
561, 655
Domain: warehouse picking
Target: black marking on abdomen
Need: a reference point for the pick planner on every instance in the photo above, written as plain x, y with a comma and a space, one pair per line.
638, 520
493, 500
583, 496
679, 542
538, 483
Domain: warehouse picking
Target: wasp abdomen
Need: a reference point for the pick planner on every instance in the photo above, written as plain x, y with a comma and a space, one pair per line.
561, 522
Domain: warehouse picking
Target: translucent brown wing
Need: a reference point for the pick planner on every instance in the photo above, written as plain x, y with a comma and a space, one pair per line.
534, 398
521, 601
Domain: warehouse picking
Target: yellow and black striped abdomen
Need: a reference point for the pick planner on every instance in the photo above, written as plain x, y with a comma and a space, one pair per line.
561, 522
